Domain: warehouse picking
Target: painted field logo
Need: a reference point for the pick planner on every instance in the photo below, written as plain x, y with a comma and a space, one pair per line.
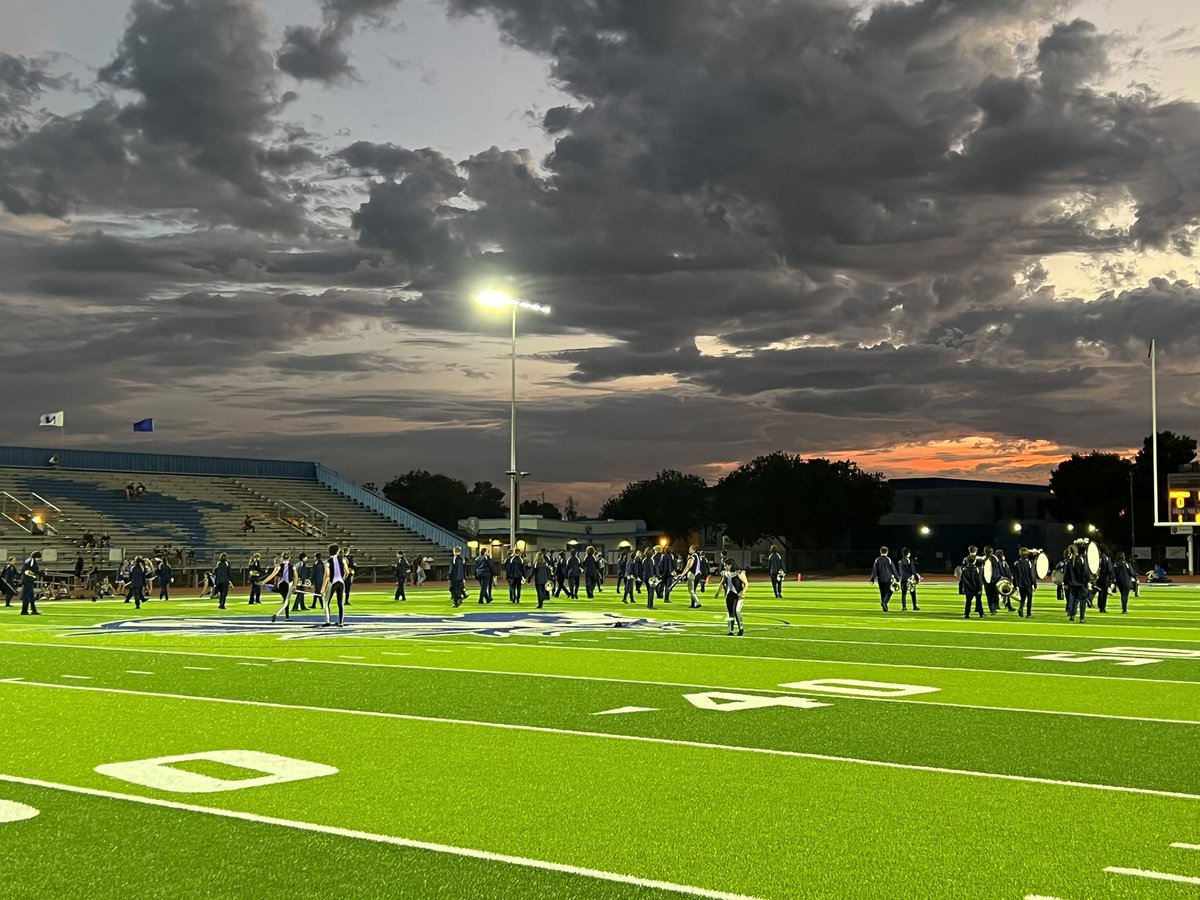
488, 624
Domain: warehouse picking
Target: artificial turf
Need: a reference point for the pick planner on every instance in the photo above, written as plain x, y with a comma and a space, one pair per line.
1014, 777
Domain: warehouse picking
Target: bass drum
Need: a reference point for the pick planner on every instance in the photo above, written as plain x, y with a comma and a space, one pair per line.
1042, 565
1092, 555
988, 571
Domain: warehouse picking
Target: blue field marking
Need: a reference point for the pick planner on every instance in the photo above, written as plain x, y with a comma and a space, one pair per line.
485, 624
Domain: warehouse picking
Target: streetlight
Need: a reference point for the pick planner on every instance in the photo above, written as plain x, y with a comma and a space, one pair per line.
501, 300
925, 530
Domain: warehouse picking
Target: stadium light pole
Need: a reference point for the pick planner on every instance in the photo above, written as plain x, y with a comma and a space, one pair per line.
502, 300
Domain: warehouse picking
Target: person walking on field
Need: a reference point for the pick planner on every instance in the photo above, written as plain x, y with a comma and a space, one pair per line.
734, 583
884, 574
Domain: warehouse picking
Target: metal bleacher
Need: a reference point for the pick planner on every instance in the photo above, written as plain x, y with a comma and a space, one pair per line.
202, 513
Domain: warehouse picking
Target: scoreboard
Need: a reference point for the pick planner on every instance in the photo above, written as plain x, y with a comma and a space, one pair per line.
1183, 497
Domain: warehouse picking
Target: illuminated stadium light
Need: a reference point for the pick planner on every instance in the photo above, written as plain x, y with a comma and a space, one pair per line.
503, 300
1016, 527
925, 530
1070, 528
1091, 529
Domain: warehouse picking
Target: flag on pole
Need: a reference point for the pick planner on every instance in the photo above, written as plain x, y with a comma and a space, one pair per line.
144, 425
55, 419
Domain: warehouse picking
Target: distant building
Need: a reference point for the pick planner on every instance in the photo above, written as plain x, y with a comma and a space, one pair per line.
938, 518
541, 533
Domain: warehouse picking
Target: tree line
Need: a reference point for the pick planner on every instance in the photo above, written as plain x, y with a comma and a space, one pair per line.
811, 504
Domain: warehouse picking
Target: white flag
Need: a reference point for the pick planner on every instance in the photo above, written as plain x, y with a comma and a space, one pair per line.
55, 419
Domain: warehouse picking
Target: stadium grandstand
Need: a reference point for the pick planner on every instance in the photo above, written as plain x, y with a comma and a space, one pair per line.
65, 501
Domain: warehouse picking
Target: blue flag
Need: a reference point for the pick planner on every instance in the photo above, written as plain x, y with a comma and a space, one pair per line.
144, 425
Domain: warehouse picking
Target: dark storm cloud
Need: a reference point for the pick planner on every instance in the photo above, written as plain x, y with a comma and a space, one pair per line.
190, 142
318, 54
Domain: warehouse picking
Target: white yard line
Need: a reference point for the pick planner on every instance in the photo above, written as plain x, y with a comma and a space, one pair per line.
644, 739
137, 672
199, 668
78, 677
488, 856
796, 659
651, 683
1158, 876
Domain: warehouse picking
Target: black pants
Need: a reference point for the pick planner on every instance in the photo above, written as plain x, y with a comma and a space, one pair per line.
1077, 597
573, 587
885, 594
543, 592
906, 585
222, 593
139, 596
255, 593
514, 590
28, 605
777, 585
350, 584
458, 590
1102, 597
629, 585
317, 585
164, 592
993, 598
399, 592
298, 600
978, 598
590, 584
337, 589
560, 585
665, 587
1025, 600
1124, 598
485, 588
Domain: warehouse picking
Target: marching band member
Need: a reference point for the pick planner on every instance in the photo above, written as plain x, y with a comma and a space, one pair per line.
633, 572
970, 582
138, 581
989, 586
348, 557
318, 580
282, 575
514, 572
622, 567
1104, 578
485, 573
691, 574
162, 572
1005, 572
8, 578
254, 574
1075, 583
666, 574
222, 579
560, 574
909, 579
31, 571
883, 572
335, 570
734, 584
401, 572
1125, 578
458, 577
573, 570
591, 571
541, 578
303, 578
775, 569
1025, 579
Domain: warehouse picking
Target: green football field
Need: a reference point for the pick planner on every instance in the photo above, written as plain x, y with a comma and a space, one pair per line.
600, 750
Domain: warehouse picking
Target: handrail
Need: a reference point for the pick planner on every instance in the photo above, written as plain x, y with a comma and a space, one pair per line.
386, 508
20, 503
45, 501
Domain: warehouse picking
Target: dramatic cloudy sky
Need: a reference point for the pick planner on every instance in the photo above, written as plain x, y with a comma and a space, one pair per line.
934, 236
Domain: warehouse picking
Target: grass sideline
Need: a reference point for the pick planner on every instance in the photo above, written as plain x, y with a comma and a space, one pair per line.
492, 757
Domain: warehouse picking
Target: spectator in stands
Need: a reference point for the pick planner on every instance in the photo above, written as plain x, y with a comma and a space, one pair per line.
89, 540
105, 540
52, 462
248, 525
129, 489
79, 570
140, 490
